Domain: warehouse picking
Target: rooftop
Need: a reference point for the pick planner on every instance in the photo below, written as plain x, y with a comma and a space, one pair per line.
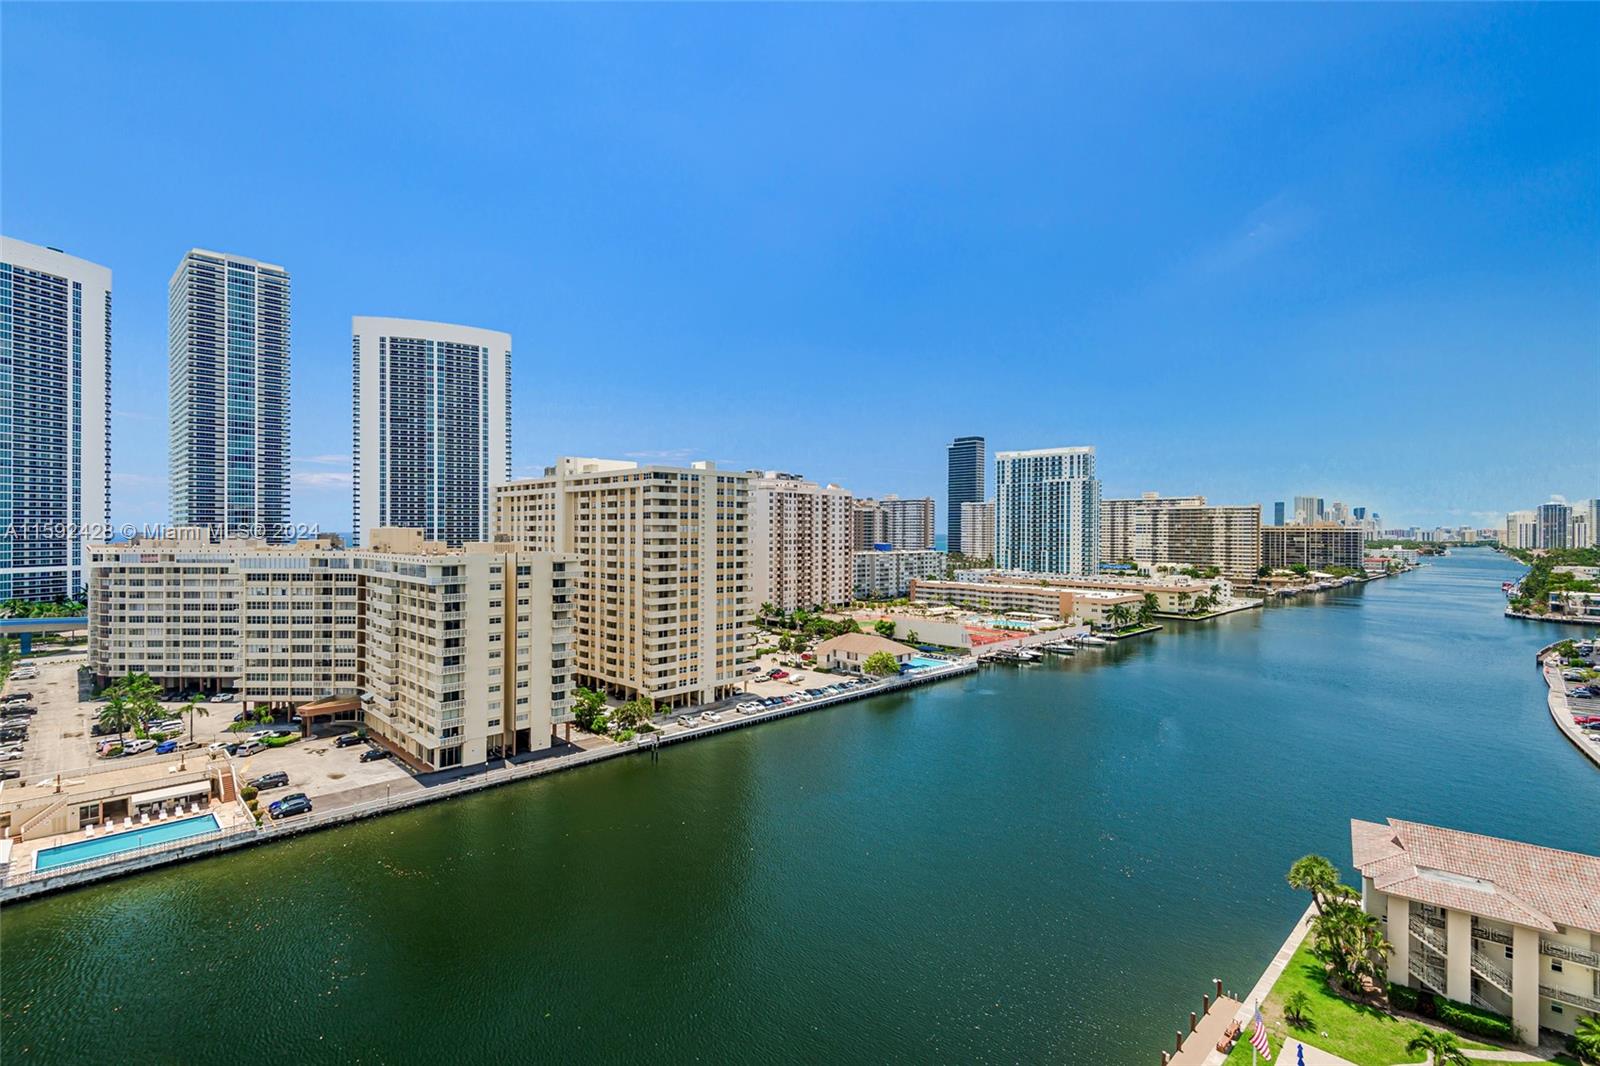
864, 644
1523, 884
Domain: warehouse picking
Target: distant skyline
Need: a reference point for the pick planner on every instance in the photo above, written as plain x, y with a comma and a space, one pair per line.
1245, 252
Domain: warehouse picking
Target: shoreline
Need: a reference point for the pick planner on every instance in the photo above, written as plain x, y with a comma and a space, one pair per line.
40, 885
1269, 977
1556, 702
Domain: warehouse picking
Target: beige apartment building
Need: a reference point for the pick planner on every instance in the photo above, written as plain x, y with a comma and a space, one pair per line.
663, 606
1506, 926
1316, 547
977, 529
907, 525
1156, 530
799, 542
1174, 595
449, 655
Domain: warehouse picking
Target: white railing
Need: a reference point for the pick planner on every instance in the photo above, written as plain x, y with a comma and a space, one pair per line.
1490, 972
1424, 932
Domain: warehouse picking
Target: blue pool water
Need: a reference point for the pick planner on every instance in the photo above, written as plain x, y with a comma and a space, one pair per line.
922, 662
126, 840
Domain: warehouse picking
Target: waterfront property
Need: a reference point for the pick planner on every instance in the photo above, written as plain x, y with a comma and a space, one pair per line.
450, 655
965, 488
1502, 925
850, 651
432, 427
55, 418
662, 604
1047, 511
228, 366
1316, 547
1055, 602
1182, 531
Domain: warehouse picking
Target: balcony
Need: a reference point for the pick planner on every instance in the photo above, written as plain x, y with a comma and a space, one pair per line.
1574, 999
1568, 953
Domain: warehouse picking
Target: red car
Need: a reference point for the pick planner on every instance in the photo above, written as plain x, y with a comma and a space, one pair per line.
778, 675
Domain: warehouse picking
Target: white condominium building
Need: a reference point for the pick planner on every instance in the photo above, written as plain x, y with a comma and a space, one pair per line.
887, 575
1522, 530
432, 426
799, 542
228, 395
1047, 511
55, 418
450, 655
663, 608
977, 530
903, 524
1505, 926
1317, 547
1182, 531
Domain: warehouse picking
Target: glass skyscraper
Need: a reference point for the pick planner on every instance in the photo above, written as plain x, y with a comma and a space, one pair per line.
228, 404
966, 455
55, 418
1047, 511
432, 426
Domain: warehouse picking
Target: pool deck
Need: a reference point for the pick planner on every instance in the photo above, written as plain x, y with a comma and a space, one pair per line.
24, 853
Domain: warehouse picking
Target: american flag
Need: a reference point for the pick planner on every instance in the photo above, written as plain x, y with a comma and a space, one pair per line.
1258, 1035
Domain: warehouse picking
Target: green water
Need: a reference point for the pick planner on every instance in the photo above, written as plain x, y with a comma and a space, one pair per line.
1044, 864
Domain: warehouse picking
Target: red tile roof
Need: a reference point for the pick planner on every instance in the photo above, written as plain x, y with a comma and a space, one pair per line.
1503, 879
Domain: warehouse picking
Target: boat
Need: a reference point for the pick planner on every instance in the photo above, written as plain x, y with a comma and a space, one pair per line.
1027, 655
1092, 641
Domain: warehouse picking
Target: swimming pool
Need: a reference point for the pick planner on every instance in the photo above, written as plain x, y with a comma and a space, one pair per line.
922, 662
1002, 623
140, 836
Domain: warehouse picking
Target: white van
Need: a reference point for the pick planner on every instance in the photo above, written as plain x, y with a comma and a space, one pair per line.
249, 747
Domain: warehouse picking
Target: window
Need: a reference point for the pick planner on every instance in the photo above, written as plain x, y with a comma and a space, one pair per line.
1508, 951
1555, 965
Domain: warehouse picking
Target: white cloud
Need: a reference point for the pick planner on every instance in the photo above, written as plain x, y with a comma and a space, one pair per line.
324, 479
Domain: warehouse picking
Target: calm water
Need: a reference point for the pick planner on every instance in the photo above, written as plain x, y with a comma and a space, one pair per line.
1038, 865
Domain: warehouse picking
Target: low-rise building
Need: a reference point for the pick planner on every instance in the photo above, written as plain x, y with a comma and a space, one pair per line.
850, 651
125, 788
1317, 547
886, 575
1503, 925
1175, 594
1039, 599
450, 655
1575, 604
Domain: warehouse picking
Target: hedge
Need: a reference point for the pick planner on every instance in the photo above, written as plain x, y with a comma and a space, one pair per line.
1403, 996
1473, 1020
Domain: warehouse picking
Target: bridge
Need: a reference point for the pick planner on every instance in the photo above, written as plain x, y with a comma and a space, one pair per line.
24, 629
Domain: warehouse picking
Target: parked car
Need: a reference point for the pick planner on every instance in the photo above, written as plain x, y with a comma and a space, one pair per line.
1581, 694
290, 805
276, 779
712, 716
249, 747
136, 747
10, 754
374, 755
20, 695
10, 773
166, 747
688, 719
243, 716
223, 697
349, 740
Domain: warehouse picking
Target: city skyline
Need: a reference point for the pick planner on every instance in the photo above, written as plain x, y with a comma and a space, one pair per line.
893, 300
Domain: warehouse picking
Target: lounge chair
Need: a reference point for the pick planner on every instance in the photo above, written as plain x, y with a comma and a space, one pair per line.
144, 817
88, 829
127, 822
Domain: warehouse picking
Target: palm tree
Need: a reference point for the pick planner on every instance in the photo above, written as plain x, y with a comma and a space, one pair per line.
1587, 1038
1316, 875
115, 715
1442, 1046
1295, 1007
193, 707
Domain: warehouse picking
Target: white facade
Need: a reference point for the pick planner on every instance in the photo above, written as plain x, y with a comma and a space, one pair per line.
55, 418
1522, 530
228, 395
1182, 531
881, 575
1047, 511
432, 426
977, 530
450, 655
799, 542
663, 606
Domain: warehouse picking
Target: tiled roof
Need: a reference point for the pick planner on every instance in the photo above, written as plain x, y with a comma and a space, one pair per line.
1503, 879
863, 644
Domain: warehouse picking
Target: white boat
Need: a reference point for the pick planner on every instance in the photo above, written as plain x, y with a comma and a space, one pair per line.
1092, 641
1028, 655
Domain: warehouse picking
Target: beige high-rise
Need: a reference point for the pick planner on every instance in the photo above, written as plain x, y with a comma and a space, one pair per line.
1182, 531
450, 656
663, 606
800, 542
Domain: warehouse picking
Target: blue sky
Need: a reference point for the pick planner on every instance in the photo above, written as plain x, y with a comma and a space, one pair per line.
1348, 251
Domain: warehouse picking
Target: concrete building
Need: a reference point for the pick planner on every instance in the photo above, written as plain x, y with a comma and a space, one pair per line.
850, 651
1315, 546
887, 575
1182, 531
1506, 926
228, 395
977, 530
1585, 524
1522, 530
903, 524
1277, 513
1047, 511
432, 427
55, 418
1553, 521
1046, 600
1174, 594
1307, 509
966, 459
663, 606
800, 542
1575, 604
450, 655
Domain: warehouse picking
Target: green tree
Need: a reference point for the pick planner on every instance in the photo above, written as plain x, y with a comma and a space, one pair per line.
588, 709
1442, 1046
1263, 571
1148, 609
1316, 875
1351, 942
884, 628
192, 707
629, 716
1587, 1038
912, 637
1119, 616
136, 699
785, 644
1295, 1007
881, 663
115, 715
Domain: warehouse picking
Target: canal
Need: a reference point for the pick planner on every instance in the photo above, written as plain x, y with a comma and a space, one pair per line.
1037, 864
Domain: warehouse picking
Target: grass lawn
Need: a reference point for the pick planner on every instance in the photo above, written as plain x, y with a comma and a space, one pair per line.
1354, 1032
